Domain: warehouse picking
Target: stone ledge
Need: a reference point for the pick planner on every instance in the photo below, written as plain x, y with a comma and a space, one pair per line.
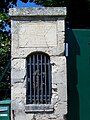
39, 108
47, 11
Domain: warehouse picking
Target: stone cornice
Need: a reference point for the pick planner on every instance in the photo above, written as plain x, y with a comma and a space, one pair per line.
44, 11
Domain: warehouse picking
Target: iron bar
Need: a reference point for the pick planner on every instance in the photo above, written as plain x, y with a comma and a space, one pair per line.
41, 82
27, 82
45, 79
38, 78
30, 81
49, 80
34, 86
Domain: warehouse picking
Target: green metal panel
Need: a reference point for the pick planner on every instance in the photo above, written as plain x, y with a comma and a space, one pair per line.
5, 110
78, 66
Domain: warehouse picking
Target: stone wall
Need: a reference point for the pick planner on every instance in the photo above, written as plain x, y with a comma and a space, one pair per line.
38, 29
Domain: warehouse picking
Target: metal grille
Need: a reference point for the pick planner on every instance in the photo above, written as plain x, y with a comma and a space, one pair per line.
38, 79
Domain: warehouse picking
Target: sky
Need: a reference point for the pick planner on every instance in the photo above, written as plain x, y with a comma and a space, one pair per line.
28, 4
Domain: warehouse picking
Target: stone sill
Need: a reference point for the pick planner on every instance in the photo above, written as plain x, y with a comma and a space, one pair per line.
39, 108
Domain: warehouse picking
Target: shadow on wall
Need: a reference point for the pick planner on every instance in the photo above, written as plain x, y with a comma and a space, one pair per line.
72, 76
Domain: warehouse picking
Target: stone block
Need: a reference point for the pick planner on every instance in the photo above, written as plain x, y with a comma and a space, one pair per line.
59, 70
40, 34
18, 71
39, 108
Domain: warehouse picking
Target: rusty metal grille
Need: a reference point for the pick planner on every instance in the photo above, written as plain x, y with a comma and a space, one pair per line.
38, 79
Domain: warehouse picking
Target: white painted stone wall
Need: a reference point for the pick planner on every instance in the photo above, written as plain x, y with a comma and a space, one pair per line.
38, 29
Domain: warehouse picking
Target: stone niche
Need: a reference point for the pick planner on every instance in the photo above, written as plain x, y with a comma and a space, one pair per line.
34, 30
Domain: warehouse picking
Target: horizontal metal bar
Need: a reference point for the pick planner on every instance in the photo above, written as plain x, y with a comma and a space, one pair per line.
3, 115
3, 109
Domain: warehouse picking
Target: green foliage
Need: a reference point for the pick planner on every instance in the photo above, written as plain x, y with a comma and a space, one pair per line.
48, 3
4, 50
51, 3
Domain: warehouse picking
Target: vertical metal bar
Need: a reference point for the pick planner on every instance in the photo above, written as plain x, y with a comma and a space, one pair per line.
34, 78
49, 80
45, 79
66, 48
30, 80
26, 81
37, 78
41, 82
